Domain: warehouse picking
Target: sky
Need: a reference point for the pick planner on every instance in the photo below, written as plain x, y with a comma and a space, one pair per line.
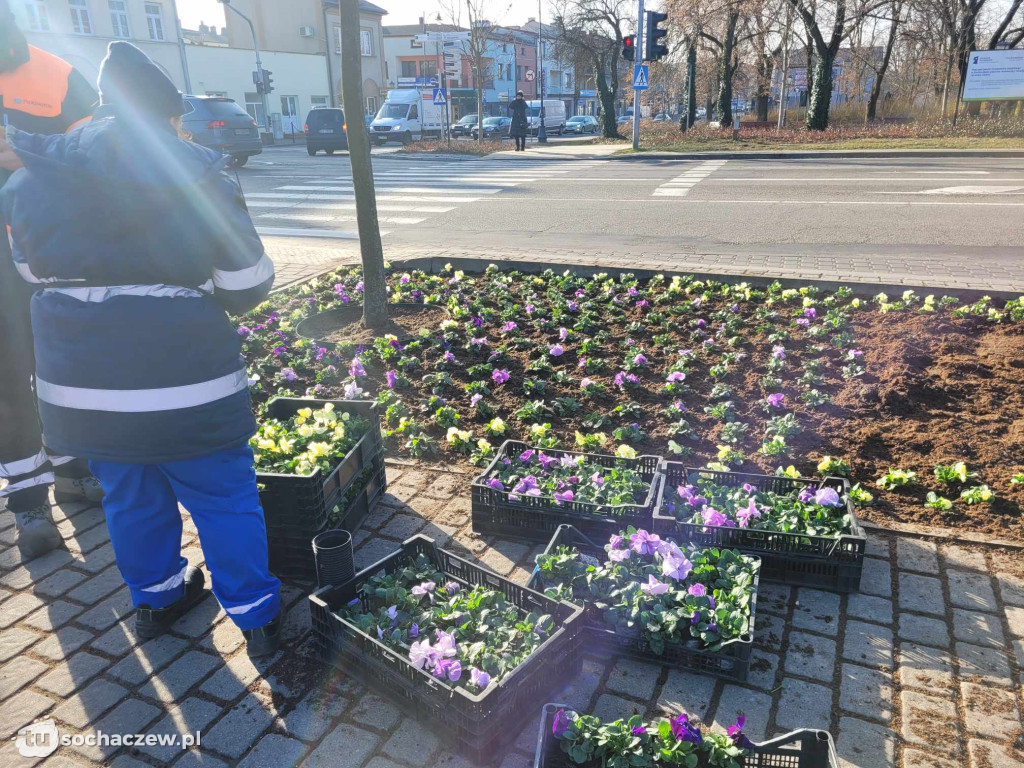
399, 11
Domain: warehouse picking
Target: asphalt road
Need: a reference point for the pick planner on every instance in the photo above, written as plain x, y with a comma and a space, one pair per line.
970, 209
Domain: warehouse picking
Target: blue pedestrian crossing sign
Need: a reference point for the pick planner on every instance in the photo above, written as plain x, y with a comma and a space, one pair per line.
440, 97
640, 79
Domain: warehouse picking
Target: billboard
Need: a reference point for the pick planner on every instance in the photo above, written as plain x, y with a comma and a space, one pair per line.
995, 76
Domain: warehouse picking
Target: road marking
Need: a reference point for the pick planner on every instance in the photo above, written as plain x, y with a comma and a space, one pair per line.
970, 190
522, 200
431, 190
385, 198
335, 234
680, 185
324, 218
352, 207
812, 179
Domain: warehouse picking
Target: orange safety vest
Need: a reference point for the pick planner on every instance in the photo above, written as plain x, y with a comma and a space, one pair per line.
37, 90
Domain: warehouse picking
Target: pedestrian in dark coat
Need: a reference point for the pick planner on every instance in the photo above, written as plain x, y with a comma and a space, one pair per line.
136, 242
519, 126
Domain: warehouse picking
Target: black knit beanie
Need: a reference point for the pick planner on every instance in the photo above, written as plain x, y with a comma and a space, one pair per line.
131, 83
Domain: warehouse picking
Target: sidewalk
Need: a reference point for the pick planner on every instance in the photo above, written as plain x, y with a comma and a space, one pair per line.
921, 668
298, 259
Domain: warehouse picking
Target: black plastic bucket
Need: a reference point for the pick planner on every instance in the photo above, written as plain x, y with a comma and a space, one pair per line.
332, 552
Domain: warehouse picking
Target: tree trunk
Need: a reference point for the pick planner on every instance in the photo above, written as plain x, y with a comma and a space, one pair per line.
765, 69
375, 297
968, 43
689, 117
479, 108
876, 86
821, 94
809, 51
725, 72
609, 129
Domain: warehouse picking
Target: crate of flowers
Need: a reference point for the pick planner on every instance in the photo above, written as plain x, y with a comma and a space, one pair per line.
291, 552
648, 598
805, 531
308, 453
568, 739
527, 493
451, 642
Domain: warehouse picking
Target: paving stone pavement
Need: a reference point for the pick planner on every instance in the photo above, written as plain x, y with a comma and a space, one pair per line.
298, 259
920, 669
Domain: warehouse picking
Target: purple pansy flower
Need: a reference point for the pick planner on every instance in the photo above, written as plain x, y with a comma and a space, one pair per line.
827, 497
779, 352
289, 374
509, 327
480, 341
414, 630
561, 496
243, 331
560, 724
479, 678
777, 400
556, 350
735, 732
676, 566
811, 313
475, 399
712, 516
500, 376
644, 543
803, 322
526, 455
748, 513
597, 479
697, 590
496, 484
639, 730
563, 334
640, 359
683, 731
675, 376
653, 587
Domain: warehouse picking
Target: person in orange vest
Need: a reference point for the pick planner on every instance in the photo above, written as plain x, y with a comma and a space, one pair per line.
41, 93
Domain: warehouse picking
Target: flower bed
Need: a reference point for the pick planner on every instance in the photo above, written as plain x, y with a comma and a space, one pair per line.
804, 531
649, 599
568, 739
318, 463
528, 492
704, 372
451, 642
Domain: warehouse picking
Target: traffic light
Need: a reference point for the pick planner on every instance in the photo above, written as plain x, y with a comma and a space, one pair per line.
628, 48
653, 50
268, 81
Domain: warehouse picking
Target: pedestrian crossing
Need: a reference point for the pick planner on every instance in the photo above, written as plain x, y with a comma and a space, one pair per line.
681, 185
408, 193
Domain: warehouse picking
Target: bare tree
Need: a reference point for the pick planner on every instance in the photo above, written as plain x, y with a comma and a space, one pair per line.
375, 297
598, 26
475, 13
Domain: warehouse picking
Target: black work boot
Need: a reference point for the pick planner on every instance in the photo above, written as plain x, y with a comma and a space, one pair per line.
263, 641
153, 622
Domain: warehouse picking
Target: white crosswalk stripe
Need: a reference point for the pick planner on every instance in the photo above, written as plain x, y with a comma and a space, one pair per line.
325, 204
681, 185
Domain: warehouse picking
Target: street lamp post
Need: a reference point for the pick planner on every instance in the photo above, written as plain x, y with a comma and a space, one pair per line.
542, 135
259, 64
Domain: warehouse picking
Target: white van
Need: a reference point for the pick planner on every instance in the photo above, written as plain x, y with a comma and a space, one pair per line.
554, 116
407, 114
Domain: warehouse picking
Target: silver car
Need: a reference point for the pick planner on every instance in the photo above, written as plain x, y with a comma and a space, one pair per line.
581, 124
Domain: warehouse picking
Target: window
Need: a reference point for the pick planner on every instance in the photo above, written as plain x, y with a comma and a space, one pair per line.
81, 22
519, 73
414, 112
254, 106
317, 101
289, 106
371, 105
408, 69
428, 68
119, 18
155, 21
38, 17
365, 42
221, 94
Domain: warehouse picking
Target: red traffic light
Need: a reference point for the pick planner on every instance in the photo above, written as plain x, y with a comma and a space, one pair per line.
628, 48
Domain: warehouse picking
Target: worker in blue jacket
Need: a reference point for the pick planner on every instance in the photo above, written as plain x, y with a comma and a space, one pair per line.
137, 242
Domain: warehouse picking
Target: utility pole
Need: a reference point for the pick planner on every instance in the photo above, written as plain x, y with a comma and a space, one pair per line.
259, 64
639, 46
542, 135
181, 47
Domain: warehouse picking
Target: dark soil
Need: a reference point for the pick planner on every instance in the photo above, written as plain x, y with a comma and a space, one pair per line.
346, 326
938, 389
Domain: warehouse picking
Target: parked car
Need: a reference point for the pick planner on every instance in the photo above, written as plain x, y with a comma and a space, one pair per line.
219, 123
623, 119
465, 126
662, 118
494, 127
581, 124
554, 116
326, 129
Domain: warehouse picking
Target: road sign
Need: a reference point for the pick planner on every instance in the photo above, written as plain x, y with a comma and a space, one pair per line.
442, 36
530, 75
440, 97
640, 79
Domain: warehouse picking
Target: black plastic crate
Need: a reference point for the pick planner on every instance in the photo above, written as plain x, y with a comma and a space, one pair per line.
806, 748
731, 661
480, 724
302, 503
537, 518
788, 558
291, 552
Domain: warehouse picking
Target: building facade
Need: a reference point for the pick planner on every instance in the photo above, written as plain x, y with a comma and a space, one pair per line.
557, 73
313, 27
79, 31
